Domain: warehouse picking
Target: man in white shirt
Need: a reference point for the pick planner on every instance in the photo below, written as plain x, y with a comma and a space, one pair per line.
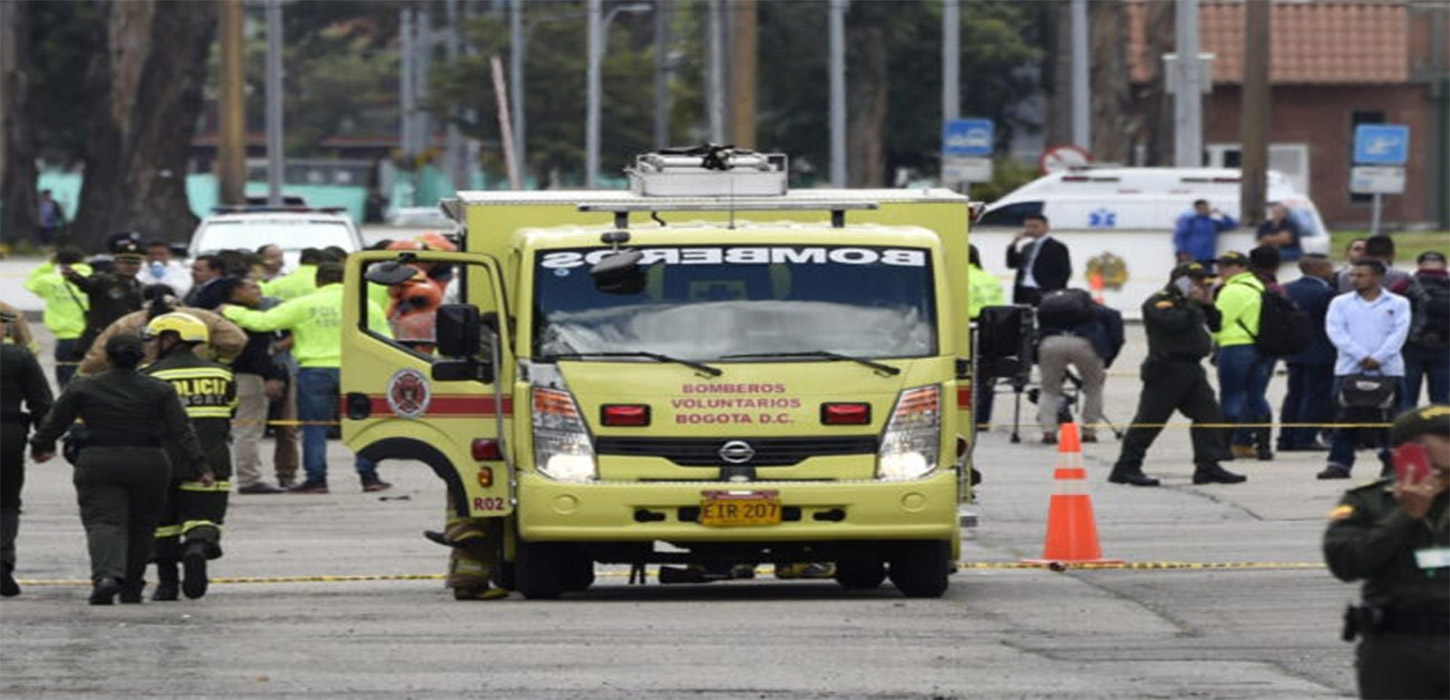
161, 268
1368, 327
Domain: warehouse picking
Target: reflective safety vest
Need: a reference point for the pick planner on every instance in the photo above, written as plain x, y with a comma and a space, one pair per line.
207, 389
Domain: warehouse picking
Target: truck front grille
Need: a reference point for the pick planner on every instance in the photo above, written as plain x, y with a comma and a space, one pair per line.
705, 452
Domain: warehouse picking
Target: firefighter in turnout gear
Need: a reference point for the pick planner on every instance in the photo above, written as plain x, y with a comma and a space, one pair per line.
190, 528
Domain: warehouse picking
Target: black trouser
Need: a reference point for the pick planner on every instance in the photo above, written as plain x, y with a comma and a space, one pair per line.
1170, 385
12, 479
121, 491
1393, 665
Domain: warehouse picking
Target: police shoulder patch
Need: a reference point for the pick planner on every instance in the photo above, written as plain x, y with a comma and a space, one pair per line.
1341, 512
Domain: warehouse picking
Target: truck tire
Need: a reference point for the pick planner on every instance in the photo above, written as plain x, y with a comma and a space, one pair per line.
860, 574
580, 573
920, 569
542, 570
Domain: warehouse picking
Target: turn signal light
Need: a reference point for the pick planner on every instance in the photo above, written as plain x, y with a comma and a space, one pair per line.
624, 415
485, 477
487, 449
846, 413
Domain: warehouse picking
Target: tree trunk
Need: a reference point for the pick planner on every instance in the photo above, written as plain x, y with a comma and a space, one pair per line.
148, 84
1057, 122
18, 216
1110, 94
1157, 105
866, 87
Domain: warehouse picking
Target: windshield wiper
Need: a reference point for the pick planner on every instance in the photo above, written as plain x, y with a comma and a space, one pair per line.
885, 370
697, 366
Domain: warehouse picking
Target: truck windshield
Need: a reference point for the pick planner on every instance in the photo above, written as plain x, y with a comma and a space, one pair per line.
708, 303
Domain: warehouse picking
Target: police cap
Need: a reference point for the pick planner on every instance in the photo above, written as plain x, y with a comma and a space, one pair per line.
127, 251
1190, 269
1233, 257
1427, 420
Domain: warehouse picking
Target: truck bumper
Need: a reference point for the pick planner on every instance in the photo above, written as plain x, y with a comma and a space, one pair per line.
812, 511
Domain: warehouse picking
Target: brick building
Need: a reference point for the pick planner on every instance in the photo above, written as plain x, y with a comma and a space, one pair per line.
1333, 65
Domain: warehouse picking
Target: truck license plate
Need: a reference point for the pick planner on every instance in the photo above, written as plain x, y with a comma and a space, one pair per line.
726, 509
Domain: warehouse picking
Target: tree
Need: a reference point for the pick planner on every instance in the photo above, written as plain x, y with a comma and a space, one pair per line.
145, 77
18, 216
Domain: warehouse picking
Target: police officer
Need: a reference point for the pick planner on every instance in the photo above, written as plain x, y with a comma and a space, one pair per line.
110, 295
122, 471
190, 528
21, 380
1178, 320
1395, 535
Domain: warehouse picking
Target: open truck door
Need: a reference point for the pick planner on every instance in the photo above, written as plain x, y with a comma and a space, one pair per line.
433, 385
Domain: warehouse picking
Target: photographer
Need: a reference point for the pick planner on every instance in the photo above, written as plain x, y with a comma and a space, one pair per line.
1395, 535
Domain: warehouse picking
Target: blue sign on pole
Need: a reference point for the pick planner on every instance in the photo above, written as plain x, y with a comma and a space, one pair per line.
967, 137
1381, 144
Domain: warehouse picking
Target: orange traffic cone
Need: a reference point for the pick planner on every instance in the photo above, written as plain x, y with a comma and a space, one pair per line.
1072, 532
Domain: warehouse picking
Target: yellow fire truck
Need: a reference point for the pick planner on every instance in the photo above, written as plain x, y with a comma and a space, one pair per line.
705, 372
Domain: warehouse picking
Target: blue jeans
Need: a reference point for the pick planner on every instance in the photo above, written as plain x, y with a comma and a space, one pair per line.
1347, 440
67, 357
1243, 378
1431, 365
1309, 400
317, 400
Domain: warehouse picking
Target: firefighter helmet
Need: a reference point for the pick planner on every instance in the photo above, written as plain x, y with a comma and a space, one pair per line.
186, 327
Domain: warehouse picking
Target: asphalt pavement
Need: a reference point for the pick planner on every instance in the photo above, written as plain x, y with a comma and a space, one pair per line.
339, 596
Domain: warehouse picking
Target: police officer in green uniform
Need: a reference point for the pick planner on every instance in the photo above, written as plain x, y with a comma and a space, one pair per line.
122, 471
111, 295
21, 383
1395, 535
1178, 320
190, 528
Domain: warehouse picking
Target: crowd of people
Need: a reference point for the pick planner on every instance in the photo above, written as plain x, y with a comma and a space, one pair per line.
169, 377
1359, 343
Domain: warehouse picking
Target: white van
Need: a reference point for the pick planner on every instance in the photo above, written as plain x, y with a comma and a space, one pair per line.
1130, 213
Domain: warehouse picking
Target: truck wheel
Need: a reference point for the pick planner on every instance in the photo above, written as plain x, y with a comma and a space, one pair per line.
920, 569
860, 574
542, 570
581, 573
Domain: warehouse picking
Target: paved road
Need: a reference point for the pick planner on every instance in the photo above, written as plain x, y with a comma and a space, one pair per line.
1000, 632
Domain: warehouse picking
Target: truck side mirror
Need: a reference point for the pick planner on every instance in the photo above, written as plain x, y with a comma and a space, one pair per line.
619, 273
459, 330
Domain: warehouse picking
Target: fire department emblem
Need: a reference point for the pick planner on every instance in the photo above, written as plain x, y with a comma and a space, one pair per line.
408, 393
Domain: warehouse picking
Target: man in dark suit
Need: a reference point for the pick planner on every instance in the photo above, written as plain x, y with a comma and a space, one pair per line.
1311, 370
1042, 265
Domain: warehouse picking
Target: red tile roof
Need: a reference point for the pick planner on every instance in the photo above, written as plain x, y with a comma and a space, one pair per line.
1324, 41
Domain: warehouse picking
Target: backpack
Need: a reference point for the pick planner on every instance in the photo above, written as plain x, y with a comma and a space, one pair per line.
1430, 311
1065, 308
1283, 326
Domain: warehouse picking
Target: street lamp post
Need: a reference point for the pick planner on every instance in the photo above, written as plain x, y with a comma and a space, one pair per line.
598, 28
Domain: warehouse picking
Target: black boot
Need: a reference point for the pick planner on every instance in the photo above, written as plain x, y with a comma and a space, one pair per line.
1136, 477
1215, 474
168, 584
193, 563
105, 590
8, 586
131, 590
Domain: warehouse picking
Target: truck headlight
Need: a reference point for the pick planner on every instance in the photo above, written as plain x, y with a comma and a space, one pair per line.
562, 448
911, 444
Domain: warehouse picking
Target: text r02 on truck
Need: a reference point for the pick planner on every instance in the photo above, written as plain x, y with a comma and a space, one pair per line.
707, 370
